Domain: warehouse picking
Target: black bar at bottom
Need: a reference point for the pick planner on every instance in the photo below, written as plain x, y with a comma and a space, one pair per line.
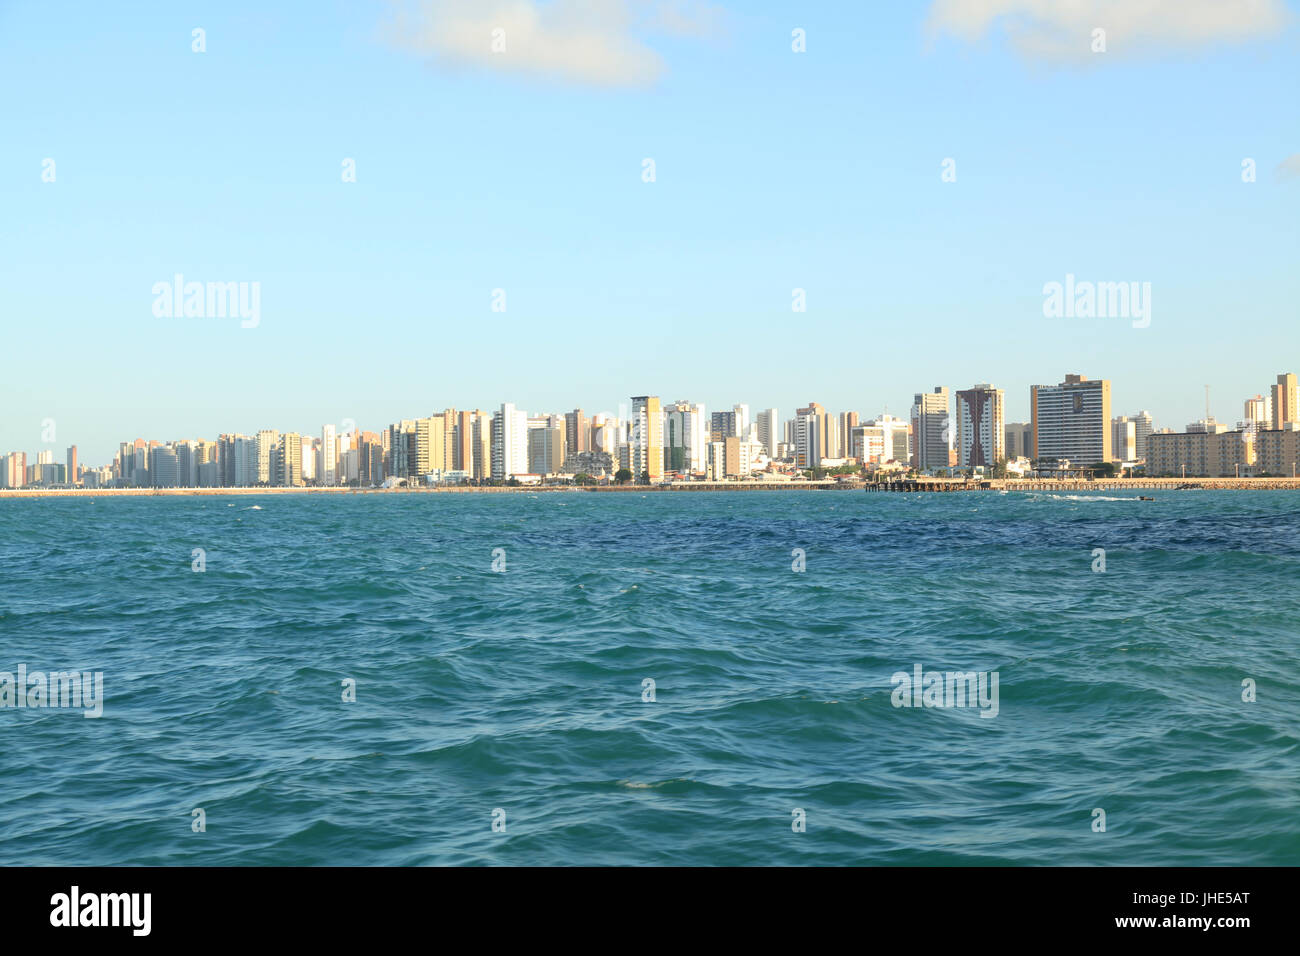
643, 907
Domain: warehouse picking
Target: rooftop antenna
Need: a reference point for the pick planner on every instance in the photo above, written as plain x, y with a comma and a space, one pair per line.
1207, 403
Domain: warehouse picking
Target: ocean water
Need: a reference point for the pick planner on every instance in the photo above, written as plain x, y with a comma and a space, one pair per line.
522, 690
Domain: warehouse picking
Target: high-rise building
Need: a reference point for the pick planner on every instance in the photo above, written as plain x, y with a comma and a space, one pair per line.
981, 431
267, 441
647, 439
449, 438
1072, 420
310, 452
843, 433
741, 412
544, 455
15, 470
187, 463
546, 445
329, 456
577, 433
931, 429
867, 444
479, 465
1286, 400
812, 434
686, 438
236, 457
74, 476
370, 459
1019, 440
723, 425
430, 445
350, 467
463, 457
509, 442
733, 457
162, 467
289, 460
400, 436
895, 436
1259, 410
769, 431
605, 435
1123, 438
1143, 426
140, 470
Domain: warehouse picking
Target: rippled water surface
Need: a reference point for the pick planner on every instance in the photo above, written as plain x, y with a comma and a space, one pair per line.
522, 690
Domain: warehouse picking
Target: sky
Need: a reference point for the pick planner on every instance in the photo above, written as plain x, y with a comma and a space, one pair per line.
523, 170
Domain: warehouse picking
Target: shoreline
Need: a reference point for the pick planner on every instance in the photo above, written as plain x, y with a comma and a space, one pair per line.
921, 485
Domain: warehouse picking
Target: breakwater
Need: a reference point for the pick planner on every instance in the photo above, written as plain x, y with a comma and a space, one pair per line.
1078, 484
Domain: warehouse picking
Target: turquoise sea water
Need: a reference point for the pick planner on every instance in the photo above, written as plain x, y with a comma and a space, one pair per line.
522, 690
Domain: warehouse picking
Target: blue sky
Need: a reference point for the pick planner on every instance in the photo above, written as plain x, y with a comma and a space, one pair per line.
774, 170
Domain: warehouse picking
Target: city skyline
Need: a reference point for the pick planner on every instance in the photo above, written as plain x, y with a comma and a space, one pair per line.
102, 446
1073, 421
864, 175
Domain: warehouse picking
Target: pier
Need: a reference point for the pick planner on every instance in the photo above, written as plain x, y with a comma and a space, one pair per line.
1138, 485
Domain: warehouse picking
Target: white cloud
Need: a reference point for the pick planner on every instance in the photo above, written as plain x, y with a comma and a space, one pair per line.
1061, 30
1289, 168
593, 42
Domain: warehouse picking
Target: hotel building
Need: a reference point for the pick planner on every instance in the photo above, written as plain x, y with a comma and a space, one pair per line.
1072, 420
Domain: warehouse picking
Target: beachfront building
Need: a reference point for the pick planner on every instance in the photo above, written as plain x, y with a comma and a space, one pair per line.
430, 445
646, 439
1277, 451
1072, 420
163, 467
931, 429
328, 468
267, 440
981, 426
479, 465
1211, 451
546, 444
734, 457
509, 442
288, 460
